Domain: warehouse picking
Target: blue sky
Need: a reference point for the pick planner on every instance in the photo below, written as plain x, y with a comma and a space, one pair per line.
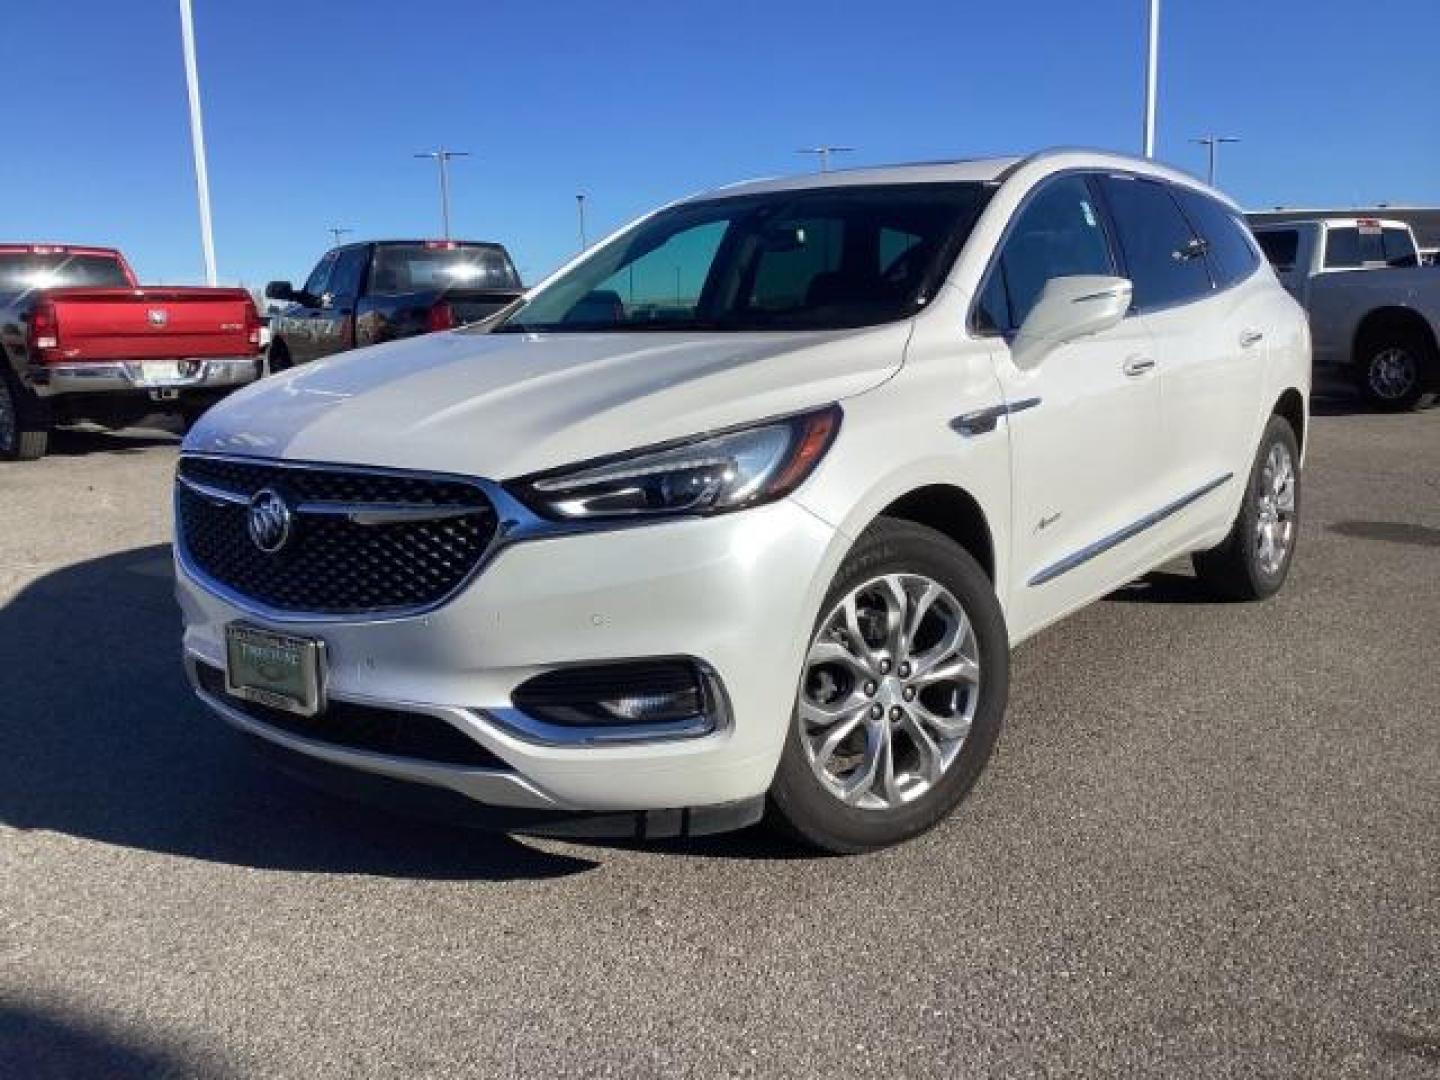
313, 109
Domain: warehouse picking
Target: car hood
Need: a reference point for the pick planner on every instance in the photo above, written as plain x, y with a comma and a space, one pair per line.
502, 405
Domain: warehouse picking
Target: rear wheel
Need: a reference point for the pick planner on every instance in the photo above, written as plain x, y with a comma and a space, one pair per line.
1254, 560
901, 696
1397, 369
23, 437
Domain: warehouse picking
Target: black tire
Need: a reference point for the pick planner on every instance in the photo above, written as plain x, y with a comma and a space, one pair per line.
1237, 569
1397, 369
278, 359
799, 803
23, 436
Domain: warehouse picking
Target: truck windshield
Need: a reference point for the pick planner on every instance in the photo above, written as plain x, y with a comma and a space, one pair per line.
21, 271
408, 268
818, 258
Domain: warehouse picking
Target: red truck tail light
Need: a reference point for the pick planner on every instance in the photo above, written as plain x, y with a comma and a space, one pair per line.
440, 317
252, 325
44, 331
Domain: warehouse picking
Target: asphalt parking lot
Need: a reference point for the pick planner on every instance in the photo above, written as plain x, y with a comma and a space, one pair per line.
1209, 845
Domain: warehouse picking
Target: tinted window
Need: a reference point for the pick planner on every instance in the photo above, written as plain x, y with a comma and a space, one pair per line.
1163, 257
349, 268
785, 260
24, 270
992, 312
1342, 249
1056, 234
1227, 239
318, 283
1371, 250
1280, 247
408, 268
1399, 248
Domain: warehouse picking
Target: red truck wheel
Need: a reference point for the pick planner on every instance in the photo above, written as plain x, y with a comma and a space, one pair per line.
21, 438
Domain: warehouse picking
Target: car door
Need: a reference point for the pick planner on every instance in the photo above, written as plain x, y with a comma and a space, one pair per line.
297, 322
1214, 392
333, 324
1083, 424
1209, 343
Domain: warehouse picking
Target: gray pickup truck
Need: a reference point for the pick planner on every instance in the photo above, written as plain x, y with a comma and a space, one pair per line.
1374, 309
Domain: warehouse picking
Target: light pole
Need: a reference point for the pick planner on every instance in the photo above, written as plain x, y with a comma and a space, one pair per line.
337, 231
197, 138
1212, 144
823, 153
442, 158
580, 206
1152, 77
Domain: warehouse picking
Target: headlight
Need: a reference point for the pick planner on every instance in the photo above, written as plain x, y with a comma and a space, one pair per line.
706, 475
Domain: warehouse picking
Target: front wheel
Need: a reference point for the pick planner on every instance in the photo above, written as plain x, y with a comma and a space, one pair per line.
1254, 560
278, 358
901, 696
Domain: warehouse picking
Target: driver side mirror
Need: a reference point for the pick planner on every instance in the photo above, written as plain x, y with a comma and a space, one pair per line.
1069, 308
280, 290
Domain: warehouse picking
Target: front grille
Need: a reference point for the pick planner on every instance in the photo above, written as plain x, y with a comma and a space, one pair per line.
393, 732
334, 561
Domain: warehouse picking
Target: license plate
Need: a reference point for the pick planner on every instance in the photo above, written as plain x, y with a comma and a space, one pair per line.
161, 371
278, 670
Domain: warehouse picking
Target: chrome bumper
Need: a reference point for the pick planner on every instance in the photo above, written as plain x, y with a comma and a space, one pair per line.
121, 375
493, 787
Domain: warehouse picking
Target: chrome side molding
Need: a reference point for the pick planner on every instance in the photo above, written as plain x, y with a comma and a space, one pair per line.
1135, 528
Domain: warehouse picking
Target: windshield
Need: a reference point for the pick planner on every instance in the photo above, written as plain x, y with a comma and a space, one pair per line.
821, 258
21, 271
408, 268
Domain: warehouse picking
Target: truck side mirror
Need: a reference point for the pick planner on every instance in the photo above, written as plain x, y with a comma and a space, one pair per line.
279, 290
1069, 308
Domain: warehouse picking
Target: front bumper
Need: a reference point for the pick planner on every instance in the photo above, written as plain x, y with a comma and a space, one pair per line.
159, 377
737, 592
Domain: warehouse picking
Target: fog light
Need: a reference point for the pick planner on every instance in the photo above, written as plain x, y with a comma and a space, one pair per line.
625, 694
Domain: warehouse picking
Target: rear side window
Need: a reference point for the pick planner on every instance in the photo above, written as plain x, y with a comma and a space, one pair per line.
1057, 234
1399, 248
1280, 247
1227, 239
1163, 256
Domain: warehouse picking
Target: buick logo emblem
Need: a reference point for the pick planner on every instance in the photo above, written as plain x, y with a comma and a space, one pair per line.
157, 316
268, 521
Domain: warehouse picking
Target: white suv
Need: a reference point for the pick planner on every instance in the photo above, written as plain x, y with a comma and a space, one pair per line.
744, 509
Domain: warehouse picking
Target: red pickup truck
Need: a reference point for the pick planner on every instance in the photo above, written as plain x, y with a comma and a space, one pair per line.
81, 340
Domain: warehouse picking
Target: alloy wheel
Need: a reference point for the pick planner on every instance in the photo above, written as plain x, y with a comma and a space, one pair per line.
1392, 373
889, 693
1275, 504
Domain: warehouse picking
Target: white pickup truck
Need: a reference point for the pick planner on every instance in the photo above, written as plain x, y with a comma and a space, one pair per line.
1374, 309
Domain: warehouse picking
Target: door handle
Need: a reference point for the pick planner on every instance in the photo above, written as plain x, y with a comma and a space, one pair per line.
1138, 365
1251, 337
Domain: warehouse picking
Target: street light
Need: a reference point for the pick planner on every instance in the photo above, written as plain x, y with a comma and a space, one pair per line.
1152, 76
1212, 143
442, 158
197, 138
337, 231
823, 153
580, 205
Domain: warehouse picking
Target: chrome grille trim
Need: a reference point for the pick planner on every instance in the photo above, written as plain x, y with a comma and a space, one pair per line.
365, 513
